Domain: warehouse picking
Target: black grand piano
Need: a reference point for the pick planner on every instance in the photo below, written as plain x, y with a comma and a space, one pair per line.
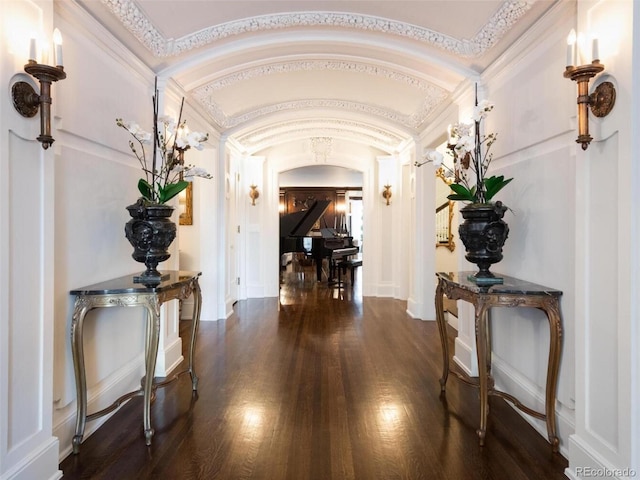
325, 242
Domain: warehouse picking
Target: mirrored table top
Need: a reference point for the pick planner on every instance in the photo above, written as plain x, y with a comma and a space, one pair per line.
126, 284
509, 285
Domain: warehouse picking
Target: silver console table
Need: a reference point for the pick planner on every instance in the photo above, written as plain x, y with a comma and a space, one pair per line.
123, 292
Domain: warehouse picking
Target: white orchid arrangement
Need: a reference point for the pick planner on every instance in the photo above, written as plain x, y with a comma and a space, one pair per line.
466, 145
167, 175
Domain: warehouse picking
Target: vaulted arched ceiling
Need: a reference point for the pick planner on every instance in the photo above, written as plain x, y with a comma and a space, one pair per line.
268, 72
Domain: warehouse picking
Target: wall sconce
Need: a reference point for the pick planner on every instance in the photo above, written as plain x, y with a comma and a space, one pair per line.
386, 194
27, 101
601, 101
253, 194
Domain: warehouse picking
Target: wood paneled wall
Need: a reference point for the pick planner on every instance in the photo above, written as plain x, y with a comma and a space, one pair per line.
295, 199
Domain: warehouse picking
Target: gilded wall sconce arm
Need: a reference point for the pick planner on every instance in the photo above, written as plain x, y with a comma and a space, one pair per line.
27, 101
601, 101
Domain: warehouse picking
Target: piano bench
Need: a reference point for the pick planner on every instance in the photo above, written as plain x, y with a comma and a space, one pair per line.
351, 265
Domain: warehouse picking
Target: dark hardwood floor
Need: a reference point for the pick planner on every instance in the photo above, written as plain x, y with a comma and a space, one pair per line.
319, 384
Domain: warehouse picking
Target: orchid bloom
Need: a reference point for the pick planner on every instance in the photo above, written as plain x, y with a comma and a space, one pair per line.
464, 145
195, 172
191, 140
433, 156
164, 176
480, 112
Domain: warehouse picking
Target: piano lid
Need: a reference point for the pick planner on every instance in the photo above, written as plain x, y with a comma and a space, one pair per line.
299, 224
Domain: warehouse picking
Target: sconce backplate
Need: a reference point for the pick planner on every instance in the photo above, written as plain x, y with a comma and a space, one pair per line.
603, 99
25, 99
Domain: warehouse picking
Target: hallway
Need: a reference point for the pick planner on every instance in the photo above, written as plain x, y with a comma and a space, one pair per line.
321, 385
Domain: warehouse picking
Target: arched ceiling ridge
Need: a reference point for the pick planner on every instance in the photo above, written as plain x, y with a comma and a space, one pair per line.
317, 62
357, 132
284, 163
411, 121
207, 66
430, 95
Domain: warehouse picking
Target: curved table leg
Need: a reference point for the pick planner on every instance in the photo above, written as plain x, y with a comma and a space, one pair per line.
153, 318
80, 309
197, 306
442, 328
552, 309
483, 348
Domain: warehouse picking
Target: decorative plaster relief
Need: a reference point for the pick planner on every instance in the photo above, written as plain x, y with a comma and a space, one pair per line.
335, 128
135, 21
434, 94
315, 65
279, 137
412, 121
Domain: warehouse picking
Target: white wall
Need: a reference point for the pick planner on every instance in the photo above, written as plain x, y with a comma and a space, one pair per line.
606, 280
27, 448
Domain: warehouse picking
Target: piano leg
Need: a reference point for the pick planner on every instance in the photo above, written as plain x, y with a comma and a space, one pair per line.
332, 271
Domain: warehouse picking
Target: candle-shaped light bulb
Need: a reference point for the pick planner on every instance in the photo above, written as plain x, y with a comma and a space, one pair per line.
571, 50
57, 42
595, 52
32, 50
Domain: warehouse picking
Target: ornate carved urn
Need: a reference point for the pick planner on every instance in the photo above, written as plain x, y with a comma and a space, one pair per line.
150, 231
483, 233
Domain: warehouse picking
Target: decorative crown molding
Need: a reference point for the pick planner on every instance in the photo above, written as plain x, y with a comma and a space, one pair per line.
313, 65
434, 95
411, 121
335, 128
141, 27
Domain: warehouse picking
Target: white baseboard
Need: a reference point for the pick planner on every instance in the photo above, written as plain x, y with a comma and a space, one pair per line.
228, 307
41, 463
186, 312
102, 395
465, 358
533, 396
384, 290
414, 309
169, 358
585, 462
451, 320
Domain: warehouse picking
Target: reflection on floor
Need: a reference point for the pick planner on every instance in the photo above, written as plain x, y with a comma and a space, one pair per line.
298, 282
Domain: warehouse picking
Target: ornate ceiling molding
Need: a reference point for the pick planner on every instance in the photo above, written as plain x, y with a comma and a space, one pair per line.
434, 95
134, 19
411, 121
335, 128
313, 65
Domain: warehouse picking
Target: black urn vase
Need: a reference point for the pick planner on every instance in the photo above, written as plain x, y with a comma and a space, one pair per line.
483, 234
150, 232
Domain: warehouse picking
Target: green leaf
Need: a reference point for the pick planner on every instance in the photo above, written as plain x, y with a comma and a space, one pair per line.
460, 192
454, 197
171, 190
145, 189
494, 184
